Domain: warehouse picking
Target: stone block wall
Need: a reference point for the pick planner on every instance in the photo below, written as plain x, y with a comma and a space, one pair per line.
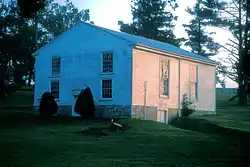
65, 110
113, 111
149, 113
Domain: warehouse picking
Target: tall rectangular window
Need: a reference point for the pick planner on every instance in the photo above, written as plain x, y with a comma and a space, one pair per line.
107, 62
56, 65
164, 77
194, 82
106, 88
55, 89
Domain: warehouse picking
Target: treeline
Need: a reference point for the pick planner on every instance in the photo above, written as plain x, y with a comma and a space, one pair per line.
25, 26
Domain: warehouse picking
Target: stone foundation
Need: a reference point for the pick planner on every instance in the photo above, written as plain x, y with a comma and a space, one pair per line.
65, 110
144, 113
113, 111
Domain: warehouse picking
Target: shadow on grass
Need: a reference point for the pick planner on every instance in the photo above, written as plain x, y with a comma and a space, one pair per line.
103, 131
206, 127
13, 119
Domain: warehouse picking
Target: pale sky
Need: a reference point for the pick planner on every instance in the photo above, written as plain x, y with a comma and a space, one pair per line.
107, 13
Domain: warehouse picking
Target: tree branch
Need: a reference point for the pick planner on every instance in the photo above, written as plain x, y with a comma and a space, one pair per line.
229, 50
233, 42
230, 13
237, 7
232, 61
235, 47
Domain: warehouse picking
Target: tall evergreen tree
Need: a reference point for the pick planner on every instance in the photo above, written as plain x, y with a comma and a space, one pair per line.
199, 39
153, 19
234, 15
29, 8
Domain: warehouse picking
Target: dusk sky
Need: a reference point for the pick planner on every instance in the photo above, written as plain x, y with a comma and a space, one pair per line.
107, 13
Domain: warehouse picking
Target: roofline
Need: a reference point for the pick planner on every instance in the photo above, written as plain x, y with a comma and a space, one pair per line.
107, 31
175, 55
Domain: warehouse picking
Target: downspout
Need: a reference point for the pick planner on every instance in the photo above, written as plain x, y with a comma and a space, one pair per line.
179, 88
145, 99
215, 91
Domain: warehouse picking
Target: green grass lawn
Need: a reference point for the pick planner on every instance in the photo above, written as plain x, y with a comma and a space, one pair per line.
222, 100
19, 99
26, 141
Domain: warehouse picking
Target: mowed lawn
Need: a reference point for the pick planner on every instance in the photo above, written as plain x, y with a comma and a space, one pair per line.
26, 141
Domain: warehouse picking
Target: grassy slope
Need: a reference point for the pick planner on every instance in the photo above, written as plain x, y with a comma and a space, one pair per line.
25, 141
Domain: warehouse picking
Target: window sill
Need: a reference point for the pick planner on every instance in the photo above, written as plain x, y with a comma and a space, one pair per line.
107, 73
106, 99
164, 97
55, 76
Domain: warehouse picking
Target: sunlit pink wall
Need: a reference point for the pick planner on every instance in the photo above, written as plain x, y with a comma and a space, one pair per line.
146, 67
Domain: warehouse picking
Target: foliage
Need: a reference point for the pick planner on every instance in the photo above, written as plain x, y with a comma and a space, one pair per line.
153, 19
235, 16
57, 18
31, 7
199, 40
21, 33
188, 106
48, 105
85, 105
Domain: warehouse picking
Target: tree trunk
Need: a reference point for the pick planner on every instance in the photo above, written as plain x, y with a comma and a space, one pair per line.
36, 29
2, 84
199, 29
242, 90
241, 75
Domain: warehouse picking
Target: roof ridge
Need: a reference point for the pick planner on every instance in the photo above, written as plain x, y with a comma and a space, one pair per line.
106, 30
148, 39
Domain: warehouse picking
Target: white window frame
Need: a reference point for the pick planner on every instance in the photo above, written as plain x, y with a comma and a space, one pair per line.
166, 86
103, 61
52, 82
56, 69
112, 89
195, 83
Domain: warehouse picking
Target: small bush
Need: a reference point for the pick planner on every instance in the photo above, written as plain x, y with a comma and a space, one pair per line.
85, 105
48, 105
188, 106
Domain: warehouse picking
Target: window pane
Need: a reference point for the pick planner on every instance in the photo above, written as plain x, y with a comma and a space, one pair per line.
56, 61
107, 62
196, 90
55, 89
164, 74
107, 88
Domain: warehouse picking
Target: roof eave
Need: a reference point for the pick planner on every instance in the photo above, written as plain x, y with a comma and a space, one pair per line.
35, 53
175, 55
